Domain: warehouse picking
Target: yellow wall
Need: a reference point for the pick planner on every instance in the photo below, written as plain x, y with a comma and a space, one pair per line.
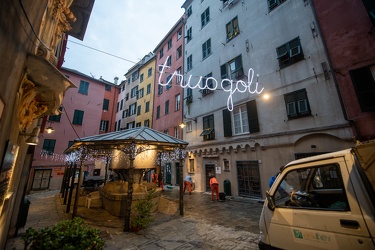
146, 97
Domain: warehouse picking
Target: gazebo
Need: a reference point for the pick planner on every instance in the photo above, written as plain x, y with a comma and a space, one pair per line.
140, 147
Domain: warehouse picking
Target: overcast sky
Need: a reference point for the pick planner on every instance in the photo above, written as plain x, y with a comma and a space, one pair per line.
129, 29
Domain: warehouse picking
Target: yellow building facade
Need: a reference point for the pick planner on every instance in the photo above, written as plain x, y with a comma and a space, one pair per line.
145, 97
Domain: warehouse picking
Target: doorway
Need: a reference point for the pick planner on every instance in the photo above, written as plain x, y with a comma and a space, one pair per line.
168, 173
248, 179
209, 169
41, 179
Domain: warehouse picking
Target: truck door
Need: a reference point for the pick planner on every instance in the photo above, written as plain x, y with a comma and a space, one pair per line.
316, 207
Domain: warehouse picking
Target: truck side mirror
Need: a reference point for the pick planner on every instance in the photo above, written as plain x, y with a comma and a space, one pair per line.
270, 201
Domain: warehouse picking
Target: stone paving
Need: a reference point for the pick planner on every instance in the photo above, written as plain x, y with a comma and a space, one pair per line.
229, 224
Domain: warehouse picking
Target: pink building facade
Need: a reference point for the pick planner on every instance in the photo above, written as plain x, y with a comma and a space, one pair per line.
83, 111
168, 100
350, 43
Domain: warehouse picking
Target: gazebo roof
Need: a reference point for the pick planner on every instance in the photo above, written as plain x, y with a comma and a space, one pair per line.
140, 135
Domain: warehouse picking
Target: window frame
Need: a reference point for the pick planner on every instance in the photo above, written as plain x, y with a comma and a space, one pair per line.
206, 49
232, 30
290, 53
242, 111
49, 146
78, 117
189, 62
205, 17
83, 87
208, 132
295, 98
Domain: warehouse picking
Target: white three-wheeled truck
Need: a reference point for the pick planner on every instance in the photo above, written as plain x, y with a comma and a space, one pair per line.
322, 202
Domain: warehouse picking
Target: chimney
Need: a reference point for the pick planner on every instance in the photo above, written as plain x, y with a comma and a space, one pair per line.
116, 80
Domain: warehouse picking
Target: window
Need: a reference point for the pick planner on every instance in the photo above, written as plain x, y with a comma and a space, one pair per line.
318, 187
272, 4
226, 165
189, 35
119, 125
232, 29
364, 84
191, 166
160, 89
289, 53
138, 124
179, 78
117, 107
127, 96
56, 118
206, 49
243, 119
179, 34
148, 88
125, 113
189, 96
189, 11
297, 104
141, 78
147, 108
169, 81
169, 61
121, 104
165, 131
166, 107
190, 62
170, 44
161, 53
240, 122
149, 72
208, 128
205, 17
147, 123
140, 93
207, 82
232, 69
49, 146
177, 102
129, 80
157, 112
176, 132
78, 117
134, 92
132, 109
139, 110
179, 52
134, 76
83, 87
105, 104
189, 126
103, 126
108, 87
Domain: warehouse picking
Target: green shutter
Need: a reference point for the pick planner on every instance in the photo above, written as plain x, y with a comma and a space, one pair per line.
227, 123
223, 70
252, 115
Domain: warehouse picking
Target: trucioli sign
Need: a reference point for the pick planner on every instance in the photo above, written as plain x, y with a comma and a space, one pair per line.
226, 85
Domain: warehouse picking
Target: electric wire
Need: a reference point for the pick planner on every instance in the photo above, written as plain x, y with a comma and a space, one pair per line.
31, 26
102, 51
70, 122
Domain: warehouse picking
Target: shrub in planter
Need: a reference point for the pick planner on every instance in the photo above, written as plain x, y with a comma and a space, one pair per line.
141, 216
68, 234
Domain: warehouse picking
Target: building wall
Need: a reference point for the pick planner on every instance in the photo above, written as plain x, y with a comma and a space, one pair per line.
147, 97
119, 109
350, 45
110, 114
278, 138
65, 131
128, 119
168, 122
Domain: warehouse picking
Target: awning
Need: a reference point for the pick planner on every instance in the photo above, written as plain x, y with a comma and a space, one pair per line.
206, 131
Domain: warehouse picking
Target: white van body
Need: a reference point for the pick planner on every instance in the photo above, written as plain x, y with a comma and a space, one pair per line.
322, 202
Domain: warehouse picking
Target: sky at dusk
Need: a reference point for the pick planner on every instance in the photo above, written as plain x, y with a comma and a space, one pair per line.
128, 29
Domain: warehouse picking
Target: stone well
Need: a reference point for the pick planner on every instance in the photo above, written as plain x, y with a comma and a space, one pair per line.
114, 196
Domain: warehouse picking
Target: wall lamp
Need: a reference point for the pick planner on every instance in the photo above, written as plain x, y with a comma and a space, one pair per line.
183, 124
33, 136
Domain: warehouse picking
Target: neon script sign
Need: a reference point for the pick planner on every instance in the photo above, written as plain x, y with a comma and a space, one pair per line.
227, 85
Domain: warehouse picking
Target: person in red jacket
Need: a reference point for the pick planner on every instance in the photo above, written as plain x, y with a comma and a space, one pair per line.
214, 184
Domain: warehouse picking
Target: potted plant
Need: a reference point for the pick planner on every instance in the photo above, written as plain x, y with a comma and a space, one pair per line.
141, 215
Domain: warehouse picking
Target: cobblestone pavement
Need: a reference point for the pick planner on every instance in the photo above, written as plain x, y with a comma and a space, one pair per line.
229, 224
